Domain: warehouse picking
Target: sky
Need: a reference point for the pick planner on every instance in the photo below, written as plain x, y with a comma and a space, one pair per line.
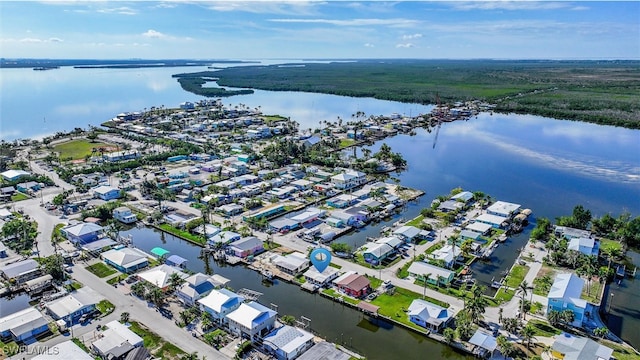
319, 29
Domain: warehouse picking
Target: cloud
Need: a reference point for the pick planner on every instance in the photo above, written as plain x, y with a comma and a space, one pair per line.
412, 36
292, 7
351, 22
405, 45
153, 34
36, 40
123, 10
54, 39
30, 40
369, 45
510, 5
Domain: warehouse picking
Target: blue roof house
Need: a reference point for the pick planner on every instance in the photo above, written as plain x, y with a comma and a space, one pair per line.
565, 295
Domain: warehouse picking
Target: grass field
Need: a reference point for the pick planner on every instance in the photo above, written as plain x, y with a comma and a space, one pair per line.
105, 307
18, 196
156, 345
543, 328
516, 275
101, 270
78, 149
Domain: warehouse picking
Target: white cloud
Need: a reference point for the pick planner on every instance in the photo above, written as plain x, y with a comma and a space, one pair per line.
510, 5
405, 45
291, 7
369, 45
411, 36
123, 10
55, 39
351, 22
30, 40
154, 34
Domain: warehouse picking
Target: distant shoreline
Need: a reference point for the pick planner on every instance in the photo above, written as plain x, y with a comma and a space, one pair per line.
95, 63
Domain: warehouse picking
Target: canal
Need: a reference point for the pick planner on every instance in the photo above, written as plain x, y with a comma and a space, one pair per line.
374, 339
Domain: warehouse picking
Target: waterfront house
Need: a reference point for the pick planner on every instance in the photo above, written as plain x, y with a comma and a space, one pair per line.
572, 347
349, 179
251, 320
342, 201
335, 222
376, 253
450, 205
565, 295
82, 233
159, 276
479, 227
208, 230
23, 325
287, 342
468, 234
246, 247
353, 284
21, 271
219, 303
13, 175
71, 307
223, 237
292, 264
485, 343
504, 209
408, 233
434, 275
309, 215
310, 142
570, 233
65, 350
321, 279
587, 246
197, 286
448, 254
493, 220
177, 261
124, 214
126, 260
464, 197
428, 315
116, 341
106, 193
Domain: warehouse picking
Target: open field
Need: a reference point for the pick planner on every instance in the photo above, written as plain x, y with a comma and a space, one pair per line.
78, 149
604, 92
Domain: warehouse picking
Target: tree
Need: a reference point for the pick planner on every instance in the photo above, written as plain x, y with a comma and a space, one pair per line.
528, 334
53, 265
523, 290
288, 319
449, 335
567, 316
506, 347
476, 306
157, 296
191, 356
554, 317
463, 326
139, 289
601, 332
92, 136
175, 281
206, 322
124, 317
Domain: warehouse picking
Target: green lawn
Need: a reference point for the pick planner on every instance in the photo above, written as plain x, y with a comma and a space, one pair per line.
543, 328
337, 295
18, 196
101, 270
183, 234
157, 346
592, 291
105, 307
504, 295
117, 279
78, 149
516, 276
346, 142
395, 306
416, 221
606, 244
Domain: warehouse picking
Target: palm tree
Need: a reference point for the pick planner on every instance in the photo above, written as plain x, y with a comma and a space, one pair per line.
425, 279
124, 317
191, 356
175, 281
554, 317
500, 315
206, 322
528, 334
523, 289
157, 296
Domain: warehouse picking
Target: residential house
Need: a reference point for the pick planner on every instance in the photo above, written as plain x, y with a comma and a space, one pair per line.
376, 253
21, 271
116, 341
64, 350
448, 254
408, 233
5, 214
160, 275
292, 264
495, 221
393, 241
246, 247
71, 307
349, 179
342, 201
251, 320
572, 347
310, 142
27, 187
13, 175
283, 225
177, 261
287, 342
353, 284
82, 233
126, 260
230, 209
309, 215
434, 275
587, 246
198, 286
302, 184
324, 350
485, 343
565, 295
23, 325
504, 209
570, 233
464, 196
479, 227
321, 279
223, 237
106, 193
450, 206
219, 303
429, 315
121, 155
124, 214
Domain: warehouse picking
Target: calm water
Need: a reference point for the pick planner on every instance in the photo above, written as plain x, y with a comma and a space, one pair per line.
546, 165
333, 321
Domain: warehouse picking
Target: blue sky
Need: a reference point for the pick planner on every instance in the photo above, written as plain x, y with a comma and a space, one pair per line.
320, 29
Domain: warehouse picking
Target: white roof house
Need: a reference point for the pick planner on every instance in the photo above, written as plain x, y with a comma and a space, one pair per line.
23, 324
125, 259
572, 347
220, 302
11, 175
64, 350
491, 219
78, 302
288, 342
117, 340
321, 278
587, 246
503, 208
565, 295
421, 269
199, 285
407, 232
428, 315
159, 275
446, 254
293, 263
479, 227
251, 319
464, 196
82, 229
377, 251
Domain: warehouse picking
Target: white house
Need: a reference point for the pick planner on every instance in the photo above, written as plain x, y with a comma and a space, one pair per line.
64, 350
219, 303
584, 245
321, 278
437, 275
571, 347
70, 307
198, 286
106, 193
116, 341
251, 320
448, 254
124, 214
126, 260
495, 221
428, 315
160, 275
348, 179
287, 342
292, 264
503, 208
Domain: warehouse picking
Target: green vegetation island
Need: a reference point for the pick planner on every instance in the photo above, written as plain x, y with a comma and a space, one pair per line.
602, 92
